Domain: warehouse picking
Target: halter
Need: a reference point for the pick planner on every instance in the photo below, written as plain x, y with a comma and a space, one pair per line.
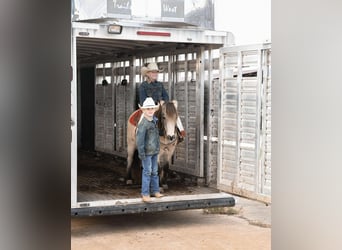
166, 144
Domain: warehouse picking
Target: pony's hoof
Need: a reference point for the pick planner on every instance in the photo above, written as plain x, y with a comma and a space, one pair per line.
165, 186
129, 182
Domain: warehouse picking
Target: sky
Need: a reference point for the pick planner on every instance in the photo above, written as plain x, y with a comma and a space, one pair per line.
248, 20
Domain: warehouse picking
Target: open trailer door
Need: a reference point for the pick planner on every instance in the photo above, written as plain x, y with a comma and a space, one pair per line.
244, 163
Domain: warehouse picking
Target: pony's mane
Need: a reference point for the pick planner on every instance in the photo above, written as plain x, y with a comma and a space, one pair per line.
170, 110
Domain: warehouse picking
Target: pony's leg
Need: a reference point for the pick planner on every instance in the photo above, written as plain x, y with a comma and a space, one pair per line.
165, 167
130, 154
163, 174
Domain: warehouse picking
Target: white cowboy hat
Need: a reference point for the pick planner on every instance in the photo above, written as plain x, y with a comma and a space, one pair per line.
149, 103
152, 66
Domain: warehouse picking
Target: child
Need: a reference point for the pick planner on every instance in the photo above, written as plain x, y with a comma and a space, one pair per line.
147, 140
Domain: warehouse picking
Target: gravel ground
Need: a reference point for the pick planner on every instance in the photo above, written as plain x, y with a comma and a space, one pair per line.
189, 229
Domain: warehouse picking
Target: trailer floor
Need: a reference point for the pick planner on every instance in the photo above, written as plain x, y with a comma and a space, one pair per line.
101, 176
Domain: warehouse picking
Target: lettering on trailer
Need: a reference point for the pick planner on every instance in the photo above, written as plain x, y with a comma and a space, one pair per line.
168, 8
120, 7
172, 8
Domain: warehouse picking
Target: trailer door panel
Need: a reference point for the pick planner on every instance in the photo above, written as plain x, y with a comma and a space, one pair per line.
245, 121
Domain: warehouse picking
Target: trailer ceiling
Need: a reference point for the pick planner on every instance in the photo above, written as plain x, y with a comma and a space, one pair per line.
98, 50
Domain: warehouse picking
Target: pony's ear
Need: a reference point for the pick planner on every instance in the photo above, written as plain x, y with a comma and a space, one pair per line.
175, 103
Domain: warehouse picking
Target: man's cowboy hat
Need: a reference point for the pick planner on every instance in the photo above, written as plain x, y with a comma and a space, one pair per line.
149, 103
152, 66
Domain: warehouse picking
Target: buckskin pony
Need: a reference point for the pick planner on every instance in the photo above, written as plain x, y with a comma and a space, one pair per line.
167, 121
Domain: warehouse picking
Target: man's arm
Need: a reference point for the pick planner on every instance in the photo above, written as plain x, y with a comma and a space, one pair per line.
142, 94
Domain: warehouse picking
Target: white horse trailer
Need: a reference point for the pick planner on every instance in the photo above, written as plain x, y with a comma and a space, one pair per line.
223, 94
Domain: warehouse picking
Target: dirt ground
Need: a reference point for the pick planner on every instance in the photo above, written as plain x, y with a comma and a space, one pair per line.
102, 176
188, 229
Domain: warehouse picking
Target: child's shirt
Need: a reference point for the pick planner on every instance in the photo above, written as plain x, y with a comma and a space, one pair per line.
147, 138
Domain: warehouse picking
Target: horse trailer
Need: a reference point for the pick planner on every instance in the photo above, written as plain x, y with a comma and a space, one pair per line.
223, 93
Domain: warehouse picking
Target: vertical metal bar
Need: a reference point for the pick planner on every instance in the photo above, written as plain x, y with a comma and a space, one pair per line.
208, 112
239, 111
132, 79
176, 63
268, 117
95, 110
103, 107
116, 136
123, 66
220, 108
140, 66
200, 110
133, 84
73, 121
169, 75
263, 119
186, 85
78, 105
105, 112
114, 106
258, 140
164, 72
103, 71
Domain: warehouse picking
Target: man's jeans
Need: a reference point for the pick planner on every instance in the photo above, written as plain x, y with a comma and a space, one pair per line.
150, 178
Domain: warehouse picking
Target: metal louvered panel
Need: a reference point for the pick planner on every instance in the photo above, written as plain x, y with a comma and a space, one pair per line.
99, 118
245, 128
121, 118
186, 158
228, 129
108, 119
266, 125
213, 94
103, 118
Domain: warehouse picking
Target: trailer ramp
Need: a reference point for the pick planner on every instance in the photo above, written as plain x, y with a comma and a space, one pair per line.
166, 203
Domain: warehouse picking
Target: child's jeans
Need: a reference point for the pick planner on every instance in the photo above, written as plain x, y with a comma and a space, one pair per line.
150, 178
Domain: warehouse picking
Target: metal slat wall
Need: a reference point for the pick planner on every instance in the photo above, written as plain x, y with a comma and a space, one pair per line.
185, 80
229, 116
112, 108
121, 117
121, 105
266, 125
108, 117
180, 77
213, 97
103, 118
244, 133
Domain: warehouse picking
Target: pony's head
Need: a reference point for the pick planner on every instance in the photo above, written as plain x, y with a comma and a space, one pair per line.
167, 120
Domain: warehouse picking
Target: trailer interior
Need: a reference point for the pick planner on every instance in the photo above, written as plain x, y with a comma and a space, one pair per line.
108, 76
